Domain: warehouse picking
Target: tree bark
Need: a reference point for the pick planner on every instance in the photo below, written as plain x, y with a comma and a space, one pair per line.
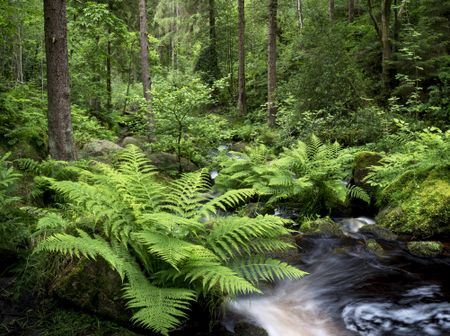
331, 9
241, 35
351, 10
145, 70
213, 40
108, 76
299, 7
272, 63
386, 44
60, 141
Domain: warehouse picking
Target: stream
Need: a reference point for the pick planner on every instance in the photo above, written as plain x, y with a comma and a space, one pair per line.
351, 291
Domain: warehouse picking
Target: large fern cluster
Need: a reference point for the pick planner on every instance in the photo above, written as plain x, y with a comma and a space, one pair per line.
417, 155
166, 241
310, 173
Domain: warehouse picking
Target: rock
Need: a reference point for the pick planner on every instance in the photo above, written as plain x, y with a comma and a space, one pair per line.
98, 148
92, 286
138, 141
425, 248
322, 226
361, 167
168, 162
244, 328
423, 212
374, 247
378, 231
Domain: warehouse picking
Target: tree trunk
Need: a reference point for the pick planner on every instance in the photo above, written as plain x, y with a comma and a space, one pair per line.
213, 40
351, 10
241, 35
145, 71
272, 63
60, 140
108, 77
331, 9
386, 45
299, 7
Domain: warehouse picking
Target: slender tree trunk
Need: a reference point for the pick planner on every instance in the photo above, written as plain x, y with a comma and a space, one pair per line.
272, 63
386, 44
145, 71
299, 7
19, 55
351, 10
331, 9
108, 77
60, 141
213, 40
241, 35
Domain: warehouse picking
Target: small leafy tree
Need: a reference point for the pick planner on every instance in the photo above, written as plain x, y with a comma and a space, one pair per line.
166, 241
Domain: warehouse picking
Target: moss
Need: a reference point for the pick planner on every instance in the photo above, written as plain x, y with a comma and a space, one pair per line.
425, 248
424, 212
374, 247
361, 166
248, 329
378, 232
325, 226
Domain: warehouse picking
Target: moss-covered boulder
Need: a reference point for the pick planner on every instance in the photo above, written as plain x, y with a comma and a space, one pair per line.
244, 328
425, 248
361, 167
377, 231
322, 226
424, 211
92, 286
374, 247
98, 148
168, 162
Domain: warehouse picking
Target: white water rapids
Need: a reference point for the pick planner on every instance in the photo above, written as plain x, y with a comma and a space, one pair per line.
350, 291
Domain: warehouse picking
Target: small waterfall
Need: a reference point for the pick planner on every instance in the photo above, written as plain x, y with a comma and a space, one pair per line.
350, 291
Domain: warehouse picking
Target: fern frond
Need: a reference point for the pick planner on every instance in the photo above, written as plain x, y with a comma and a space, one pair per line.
259, 268
359, 193
230, 199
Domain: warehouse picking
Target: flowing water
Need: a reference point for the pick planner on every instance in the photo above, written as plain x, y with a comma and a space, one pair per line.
350, 291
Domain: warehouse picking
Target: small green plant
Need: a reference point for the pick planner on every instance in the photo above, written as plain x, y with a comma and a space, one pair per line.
165, 241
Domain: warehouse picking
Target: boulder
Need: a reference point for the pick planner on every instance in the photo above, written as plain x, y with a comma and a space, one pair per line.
138, 141
244, 328
98, 148
322, 226
168, 162
361, 167
424, 212
377, 231
92, 286
374, 247
425, 248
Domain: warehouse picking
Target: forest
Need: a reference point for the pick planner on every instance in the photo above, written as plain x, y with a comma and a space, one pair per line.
225, 167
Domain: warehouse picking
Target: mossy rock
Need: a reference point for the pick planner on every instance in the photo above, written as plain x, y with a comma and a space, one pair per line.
378, 231
322, 226
98, 148
425, 248
168, 162
138, 141
361, 167
424, 213
374, 247
247, 329
92, 286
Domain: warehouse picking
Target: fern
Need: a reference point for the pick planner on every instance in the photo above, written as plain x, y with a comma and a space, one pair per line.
167, 242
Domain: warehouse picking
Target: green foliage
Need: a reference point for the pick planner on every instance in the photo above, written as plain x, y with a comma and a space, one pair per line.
310, 174
166, 241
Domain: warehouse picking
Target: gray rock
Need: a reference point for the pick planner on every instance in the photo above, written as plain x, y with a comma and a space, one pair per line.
98, 148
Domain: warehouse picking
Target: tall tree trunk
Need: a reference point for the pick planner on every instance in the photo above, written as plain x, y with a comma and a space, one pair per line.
60, 141
272, 63
108, 76
351, 10
241, 35
299, 7
213, 40
145, 71
386, 45
331, 9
